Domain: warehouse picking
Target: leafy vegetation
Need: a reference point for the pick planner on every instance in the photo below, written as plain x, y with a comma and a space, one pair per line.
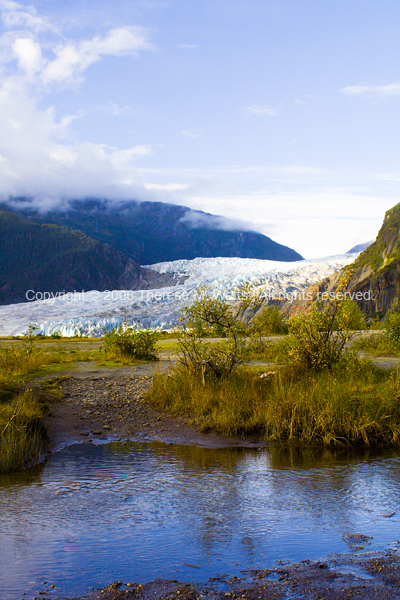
126, 344
392, 328
324, 395
318, 339
270, 321
208, 314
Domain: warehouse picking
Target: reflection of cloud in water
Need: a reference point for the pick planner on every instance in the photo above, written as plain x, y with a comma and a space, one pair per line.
140, 511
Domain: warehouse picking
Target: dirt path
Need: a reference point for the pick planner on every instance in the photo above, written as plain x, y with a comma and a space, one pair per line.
109, 404
101, 403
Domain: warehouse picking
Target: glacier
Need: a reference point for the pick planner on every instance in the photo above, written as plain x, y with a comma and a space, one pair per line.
90, 313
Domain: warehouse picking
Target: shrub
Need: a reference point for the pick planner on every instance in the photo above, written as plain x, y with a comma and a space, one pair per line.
350, 316
270, 322
318, 338
216, 315
392, 327
124, 342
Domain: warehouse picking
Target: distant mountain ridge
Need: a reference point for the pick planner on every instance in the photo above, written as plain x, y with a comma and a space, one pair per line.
48, 258
360, 247
152, 232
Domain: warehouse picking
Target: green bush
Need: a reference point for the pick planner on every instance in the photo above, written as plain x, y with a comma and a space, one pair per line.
350, 316
270, 322
209, 314
318, 339
392, 327
127, 343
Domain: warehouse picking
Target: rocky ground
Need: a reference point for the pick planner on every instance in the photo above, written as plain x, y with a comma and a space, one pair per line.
101, 403
372, 576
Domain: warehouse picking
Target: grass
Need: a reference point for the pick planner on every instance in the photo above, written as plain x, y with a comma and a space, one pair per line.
378, 344
22, 435
271, 350
360, 407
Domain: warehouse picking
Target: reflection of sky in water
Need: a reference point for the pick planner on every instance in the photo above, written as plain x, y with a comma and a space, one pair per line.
95, 514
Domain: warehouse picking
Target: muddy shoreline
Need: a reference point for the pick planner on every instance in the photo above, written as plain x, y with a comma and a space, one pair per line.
371, 576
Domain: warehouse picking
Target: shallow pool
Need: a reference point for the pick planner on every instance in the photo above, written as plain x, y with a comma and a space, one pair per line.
93, 514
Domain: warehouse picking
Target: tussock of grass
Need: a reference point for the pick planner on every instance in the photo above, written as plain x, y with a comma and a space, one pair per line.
356, 407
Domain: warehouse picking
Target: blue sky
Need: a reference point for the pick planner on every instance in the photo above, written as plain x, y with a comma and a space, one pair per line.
278, 113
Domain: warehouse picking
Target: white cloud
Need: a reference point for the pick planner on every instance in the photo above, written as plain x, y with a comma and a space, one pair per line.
39, 155
51, 58
72, 59
171, 187
199, 220
29, 54
314, 223
391, 89
193, 133
37, 158
17, 16
261, 111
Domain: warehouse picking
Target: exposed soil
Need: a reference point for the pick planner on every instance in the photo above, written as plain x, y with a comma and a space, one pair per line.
109, 404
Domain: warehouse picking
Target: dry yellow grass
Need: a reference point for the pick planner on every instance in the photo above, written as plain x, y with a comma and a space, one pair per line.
359, 406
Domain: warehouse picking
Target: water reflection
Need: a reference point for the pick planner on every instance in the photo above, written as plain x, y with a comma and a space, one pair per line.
140, 511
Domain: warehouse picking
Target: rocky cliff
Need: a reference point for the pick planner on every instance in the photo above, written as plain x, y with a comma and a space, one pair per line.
374, 277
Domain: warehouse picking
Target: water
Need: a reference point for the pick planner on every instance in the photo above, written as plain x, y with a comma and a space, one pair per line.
94, 514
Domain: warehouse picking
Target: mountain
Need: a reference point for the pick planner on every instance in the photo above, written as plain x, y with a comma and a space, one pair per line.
152, 232
50, 258
374, 277
360, 247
